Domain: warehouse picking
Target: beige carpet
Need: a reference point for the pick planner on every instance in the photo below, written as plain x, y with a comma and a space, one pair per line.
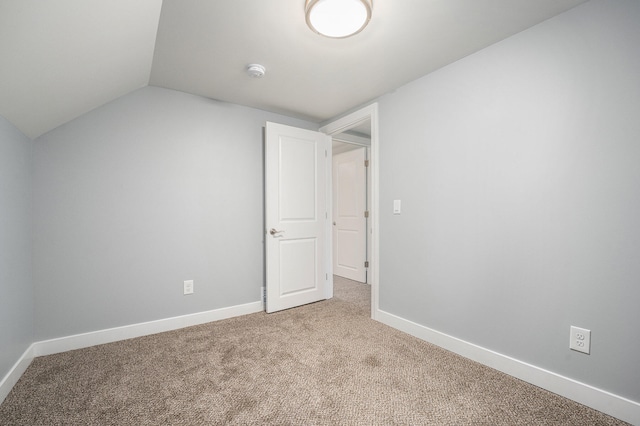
322, 364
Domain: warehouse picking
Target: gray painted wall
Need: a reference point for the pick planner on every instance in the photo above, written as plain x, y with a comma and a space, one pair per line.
519, 173
16, 288
139, 195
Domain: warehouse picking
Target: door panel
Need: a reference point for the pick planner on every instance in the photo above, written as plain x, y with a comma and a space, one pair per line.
298, 266
349, 205
298, 183
295, 208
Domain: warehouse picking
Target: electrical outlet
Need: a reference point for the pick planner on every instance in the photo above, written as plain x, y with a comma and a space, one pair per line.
580, 340
263, 294
188, 287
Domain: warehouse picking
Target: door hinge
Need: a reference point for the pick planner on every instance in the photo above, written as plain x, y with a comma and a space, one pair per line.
366, 213
366, 163
366, 263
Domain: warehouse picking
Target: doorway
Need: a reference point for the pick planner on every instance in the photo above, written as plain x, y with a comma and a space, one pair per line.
350, 164
318, 270
363, 121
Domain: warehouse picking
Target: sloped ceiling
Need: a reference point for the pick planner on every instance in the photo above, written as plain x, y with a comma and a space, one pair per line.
62, 58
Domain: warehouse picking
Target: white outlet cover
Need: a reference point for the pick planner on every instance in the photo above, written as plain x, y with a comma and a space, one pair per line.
188, 287
580, 340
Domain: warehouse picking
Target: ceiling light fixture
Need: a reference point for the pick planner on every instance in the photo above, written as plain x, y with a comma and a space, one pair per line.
338, 18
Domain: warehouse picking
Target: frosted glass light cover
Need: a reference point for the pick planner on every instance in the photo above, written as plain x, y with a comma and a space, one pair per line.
338, 18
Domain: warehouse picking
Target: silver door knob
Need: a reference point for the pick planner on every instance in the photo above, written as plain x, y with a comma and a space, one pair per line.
274, 231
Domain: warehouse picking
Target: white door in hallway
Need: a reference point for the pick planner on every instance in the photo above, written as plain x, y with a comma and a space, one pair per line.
349, 221
296, 216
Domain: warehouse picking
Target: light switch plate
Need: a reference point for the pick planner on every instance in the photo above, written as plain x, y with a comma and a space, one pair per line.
397, 206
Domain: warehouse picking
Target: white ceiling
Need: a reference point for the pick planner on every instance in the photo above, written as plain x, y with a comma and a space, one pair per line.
62, 58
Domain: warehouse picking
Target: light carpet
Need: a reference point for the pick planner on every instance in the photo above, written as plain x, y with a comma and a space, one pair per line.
325, 363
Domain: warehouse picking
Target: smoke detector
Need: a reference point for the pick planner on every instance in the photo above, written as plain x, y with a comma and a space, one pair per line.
255, 70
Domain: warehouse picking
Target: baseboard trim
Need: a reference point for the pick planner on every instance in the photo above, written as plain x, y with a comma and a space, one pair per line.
11, 378
606, 402
85, 340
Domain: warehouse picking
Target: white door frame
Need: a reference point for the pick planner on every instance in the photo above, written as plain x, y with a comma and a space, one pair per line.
338, 126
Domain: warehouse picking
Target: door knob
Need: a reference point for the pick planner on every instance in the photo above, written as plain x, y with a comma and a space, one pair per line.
274, 231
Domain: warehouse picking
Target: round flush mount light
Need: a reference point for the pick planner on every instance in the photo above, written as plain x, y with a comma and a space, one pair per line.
255, 70
338, 18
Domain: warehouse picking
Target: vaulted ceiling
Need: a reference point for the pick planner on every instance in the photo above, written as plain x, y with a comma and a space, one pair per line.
61, 58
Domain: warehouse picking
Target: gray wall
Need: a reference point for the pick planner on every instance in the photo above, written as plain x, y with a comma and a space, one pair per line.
519, 173
139, 195
16, 289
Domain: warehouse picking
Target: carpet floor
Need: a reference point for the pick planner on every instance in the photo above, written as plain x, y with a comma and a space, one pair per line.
325, 363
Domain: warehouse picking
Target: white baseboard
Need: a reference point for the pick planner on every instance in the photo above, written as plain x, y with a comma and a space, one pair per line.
84, 340
606, 402
11, 378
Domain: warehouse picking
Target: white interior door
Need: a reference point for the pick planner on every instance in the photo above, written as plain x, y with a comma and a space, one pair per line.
296, 216
349, 221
